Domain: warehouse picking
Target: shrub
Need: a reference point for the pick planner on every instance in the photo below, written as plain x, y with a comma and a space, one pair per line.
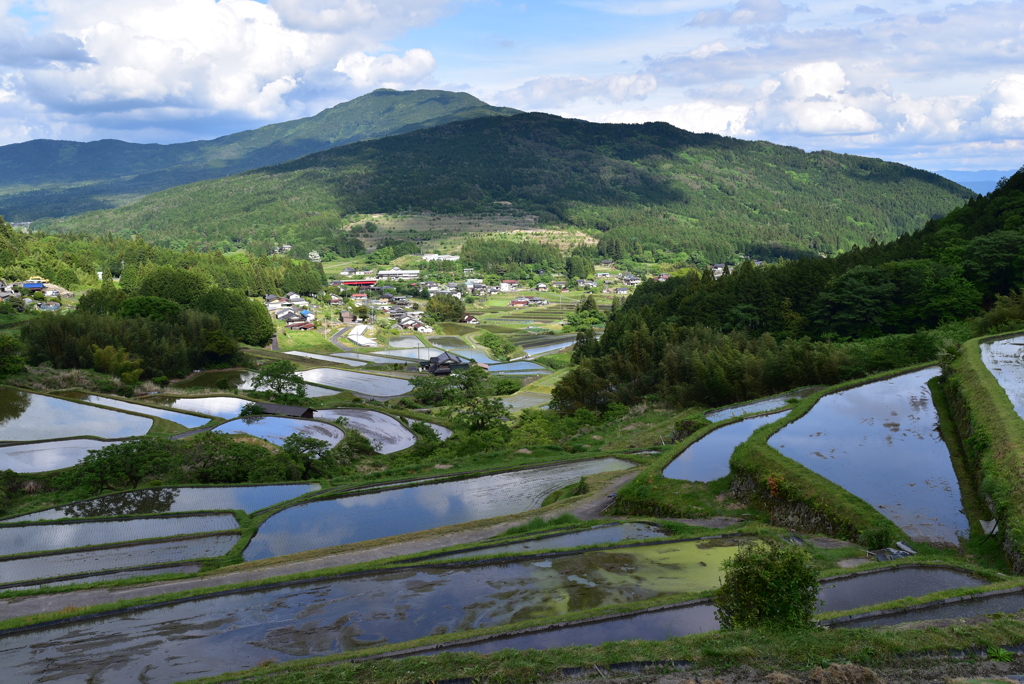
876, 538
767, 585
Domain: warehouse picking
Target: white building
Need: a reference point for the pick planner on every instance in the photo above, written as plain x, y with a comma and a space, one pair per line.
440, 257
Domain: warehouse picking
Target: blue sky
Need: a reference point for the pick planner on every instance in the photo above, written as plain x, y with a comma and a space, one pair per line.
928, 83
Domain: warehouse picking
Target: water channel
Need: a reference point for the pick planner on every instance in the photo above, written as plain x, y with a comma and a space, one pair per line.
28, 417
707, 459
384, 514
174, 500
1005, 360
380, 428
880, 442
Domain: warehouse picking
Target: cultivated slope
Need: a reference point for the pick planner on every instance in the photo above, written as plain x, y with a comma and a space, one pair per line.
59, 178
650, 185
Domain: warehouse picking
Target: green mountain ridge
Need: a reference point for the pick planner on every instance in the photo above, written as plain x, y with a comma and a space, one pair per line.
637, 186
54, 178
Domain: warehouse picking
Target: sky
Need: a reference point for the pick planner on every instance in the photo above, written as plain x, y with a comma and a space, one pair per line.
923, 82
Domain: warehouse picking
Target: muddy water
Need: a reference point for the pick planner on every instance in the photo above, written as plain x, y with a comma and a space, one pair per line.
770, 404
844, 594
115, 557
223, 633
43, 456
383, 430
603, 534
1005, 360
26, 417
879, 441
384, 514
362, 383
38, 537
173, 500
707, 459
185, 419
275, 429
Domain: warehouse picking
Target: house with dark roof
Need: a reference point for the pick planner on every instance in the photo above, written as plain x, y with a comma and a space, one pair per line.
443, 364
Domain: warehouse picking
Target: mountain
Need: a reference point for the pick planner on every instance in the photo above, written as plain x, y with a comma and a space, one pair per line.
640, 187
58, 178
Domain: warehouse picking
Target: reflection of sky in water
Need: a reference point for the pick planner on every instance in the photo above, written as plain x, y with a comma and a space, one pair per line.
422, 353
864, 590
523, 400
221, 407
43, 456
707, 459
441, 431
477, 355
384, 514
363, 383
406, 342
377, 427
603, 534
27, 417
1004, 359
550, 347
880, 442
769, 404
518, 366
98, 560
214, 635
275, 429
174, 500
185, 419
18, 539
324, 357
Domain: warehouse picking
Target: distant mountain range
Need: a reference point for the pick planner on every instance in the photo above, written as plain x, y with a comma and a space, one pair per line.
57, 178
639, 187
981, 182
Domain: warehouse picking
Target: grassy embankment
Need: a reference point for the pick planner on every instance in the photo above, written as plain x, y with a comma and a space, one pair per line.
992, 435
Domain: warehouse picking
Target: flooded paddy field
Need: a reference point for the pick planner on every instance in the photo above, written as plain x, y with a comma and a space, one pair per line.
836, 594
362, 383
553, 346
1005, 360
174, 500
186, 419
707, 459
109, 576
379, 428
880, 442
519, 367
275, 429
67, 563
325, 357
237, 379
219, 407
21, 538
1004, 602
420, 353
40, 457
210, 636
770, 404
411, 509
29, 417
602, 534
449, 342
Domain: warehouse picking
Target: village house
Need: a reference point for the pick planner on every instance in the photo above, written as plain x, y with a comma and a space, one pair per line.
509, 285
396, 273
443, 364
620, 291
542, 287
440, 257
471, 320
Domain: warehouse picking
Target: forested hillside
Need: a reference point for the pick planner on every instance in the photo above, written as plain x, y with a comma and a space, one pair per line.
58, 178
814, 321
701, 196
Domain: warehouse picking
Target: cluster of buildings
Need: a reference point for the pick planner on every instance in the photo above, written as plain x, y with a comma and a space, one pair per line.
295, 311
12, 292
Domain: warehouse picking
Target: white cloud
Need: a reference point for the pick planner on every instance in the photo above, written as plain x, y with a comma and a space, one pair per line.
745, 13
344, 16
389, 71
699, 117
556, 91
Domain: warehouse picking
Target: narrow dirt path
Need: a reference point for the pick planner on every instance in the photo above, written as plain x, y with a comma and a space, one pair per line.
587, 509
